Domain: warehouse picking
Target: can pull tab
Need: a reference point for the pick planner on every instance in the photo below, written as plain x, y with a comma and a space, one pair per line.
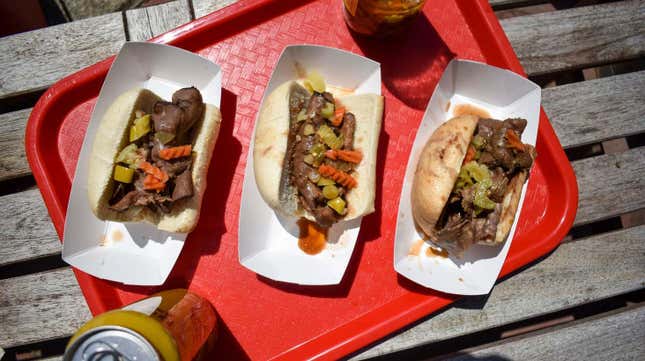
111, 343
103, 351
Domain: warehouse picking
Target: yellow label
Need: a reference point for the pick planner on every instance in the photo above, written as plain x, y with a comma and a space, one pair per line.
151, 329
351, 6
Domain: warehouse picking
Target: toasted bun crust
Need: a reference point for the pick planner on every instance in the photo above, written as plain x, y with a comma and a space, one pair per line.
438, 168
271, 136
270, 147
368, 111
509, 208
437, 172
111, 137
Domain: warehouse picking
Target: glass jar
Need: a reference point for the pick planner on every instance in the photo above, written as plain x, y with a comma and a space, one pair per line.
173, 325
380, 17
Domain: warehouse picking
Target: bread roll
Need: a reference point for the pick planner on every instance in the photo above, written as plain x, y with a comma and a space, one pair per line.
270, 147
437, 172
112, 136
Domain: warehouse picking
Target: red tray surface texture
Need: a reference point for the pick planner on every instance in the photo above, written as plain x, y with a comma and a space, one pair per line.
260, 318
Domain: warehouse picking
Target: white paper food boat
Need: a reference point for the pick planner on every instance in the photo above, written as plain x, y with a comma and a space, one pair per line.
132, 253
268, 243
503, 94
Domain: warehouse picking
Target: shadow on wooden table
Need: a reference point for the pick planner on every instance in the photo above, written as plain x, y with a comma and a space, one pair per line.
463, 302
412, 62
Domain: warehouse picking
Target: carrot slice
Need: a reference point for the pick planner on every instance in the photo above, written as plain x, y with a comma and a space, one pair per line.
339, 113
175, 152
352, 156
152, 183
470, 154
338, 176
153, 171
513, 140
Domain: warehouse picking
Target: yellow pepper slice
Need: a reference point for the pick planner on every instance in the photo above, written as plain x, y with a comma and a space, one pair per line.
316, 81
337, 204
140, 127
123, 174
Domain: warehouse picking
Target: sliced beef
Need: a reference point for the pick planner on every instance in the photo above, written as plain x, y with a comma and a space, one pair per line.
467, 197
499, 184
516, 124
497, 148
167, 117
139, 198
495, 152
120, 190
298, 100
316, 103
174, 167
487, 159
326, 216
190, 101
346, 167
524, 160
138, 181
328, 97
297, 172
456, 235
485, 228
452, 229
460, 224
310, 194
486, 127
183, 186
347, 131
126, 202
300, 172
155, 146
176, 118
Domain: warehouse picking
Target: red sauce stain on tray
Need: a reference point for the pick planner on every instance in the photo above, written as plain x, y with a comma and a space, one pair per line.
432, 252
463, 109
313, 238
416, 248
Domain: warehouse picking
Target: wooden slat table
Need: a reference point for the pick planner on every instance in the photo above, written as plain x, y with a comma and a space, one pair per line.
583, 301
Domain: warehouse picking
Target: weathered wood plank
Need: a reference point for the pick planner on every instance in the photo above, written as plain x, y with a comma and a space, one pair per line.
505, 4
576, 273
148, 22
596, 110
610, 185
40, 306
13, 161
36, 59
81, 9
579, 37
26, 231
205, 7
616, 337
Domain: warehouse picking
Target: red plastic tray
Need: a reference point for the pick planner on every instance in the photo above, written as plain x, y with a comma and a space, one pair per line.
260, 318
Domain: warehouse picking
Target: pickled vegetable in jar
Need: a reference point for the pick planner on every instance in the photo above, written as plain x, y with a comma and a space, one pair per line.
173, 325
380, 17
